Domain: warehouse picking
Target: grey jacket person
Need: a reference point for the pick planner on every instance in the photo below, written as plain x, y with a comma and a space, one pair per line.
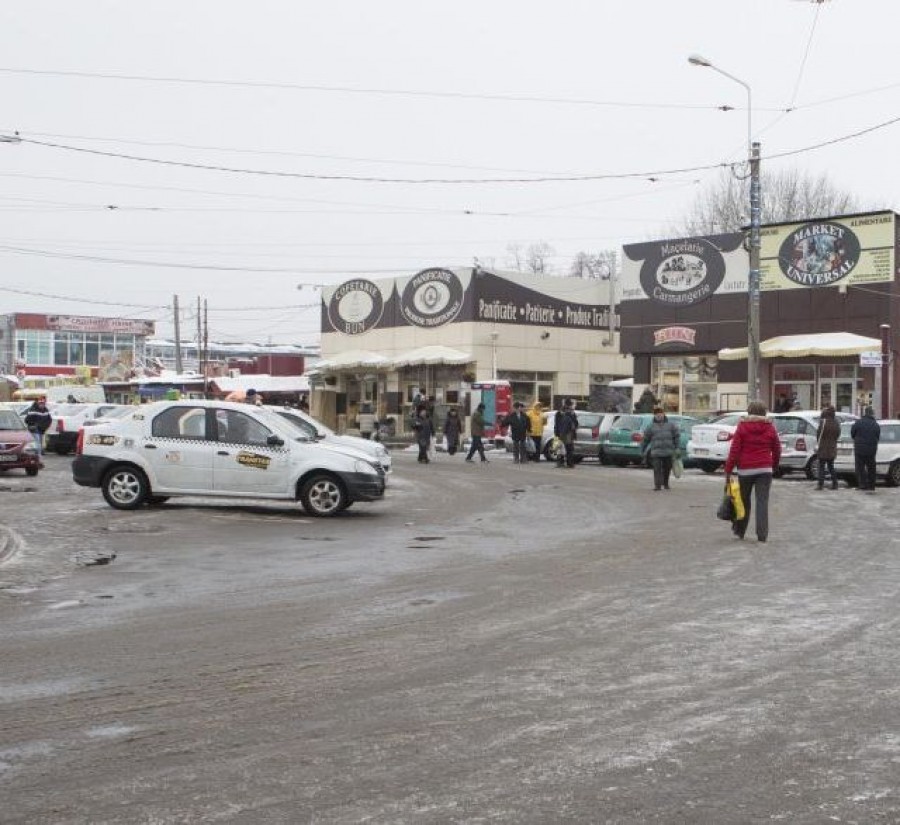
662, 438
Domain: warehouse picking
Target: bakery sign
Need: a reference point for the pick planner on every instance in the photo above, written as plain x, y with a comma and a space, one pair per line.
355, 306
674, 335
432, 298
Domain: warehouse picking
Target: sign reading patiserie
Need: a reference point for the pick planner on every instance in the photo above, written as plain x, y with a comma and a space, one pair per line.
674, 335
355, 306
682, 272
432, 298
82, 323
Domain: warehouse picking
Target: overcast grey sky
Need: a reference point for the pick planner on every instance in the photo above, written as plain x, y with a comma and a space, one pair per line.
635, 106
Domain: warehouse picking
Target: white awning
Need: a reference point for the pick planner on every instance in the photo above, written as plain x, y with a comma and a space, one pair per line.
834, 344
350, 360
621, 382
262, 383
435, 354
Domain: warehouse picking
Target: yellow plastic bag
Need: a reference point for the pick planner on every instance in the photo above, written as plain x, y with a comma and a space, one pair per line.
734, 491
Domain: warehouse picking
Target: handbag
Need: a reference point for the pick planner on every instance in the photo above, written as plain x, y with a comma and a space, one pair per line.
726, 507
677, 466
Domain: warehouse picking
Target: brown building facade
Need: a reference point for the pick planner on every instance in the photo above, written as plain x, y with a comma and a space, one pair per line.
684, 301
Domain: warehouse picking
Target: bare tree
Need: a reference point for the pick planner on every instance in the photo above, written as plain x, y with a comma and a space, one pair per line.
593, 265
516, 259
537, 258
787, 195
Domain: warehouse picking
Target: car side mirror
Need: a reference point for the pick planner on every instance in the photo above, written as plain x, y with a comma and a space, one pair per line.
274, 441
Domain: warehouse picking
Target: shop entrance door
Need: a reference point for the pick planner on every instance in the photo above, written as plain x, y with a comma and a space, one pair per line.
670, 390
545, 395
838, 393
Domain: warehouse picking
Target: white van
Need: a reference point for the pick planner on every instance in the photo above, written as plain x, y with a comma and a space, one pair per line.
222, 449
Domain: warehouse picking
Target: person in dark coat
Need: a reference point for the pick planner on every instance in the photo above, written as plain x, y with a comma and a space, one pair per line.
755, 453
826, 452
477, 427
646, 402
38, 420
662, 439
565, 428
452, 430
518, 425
866, 434
424, 431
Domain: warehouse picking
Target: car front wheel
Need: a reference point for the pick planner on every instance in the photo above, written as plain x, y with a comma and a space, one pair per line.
893, 475
322, 496
125, 488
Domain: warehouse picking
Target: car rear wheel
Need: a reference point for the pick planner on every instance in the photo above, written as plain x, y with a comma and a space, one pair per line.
605, 460
125, 488
893, 475
812, 468
323, 496
31, 471
708, 466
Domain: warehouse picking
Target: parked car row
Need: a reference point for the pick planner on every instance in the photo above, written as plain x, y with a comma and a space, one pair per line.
710, 442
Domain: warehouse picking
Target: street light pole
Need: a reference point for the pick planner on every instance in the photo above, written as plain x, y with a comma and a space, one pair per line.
753, 277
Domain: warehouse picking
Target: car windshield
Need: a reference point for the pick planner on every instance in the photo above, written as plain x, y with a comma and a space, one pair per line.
306, 430
116, 412
69, 409
10, 421
629, 422
588, 419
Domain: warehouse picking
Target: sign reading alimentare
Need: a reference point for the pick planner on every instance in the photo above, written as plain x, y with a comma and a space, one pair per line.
684, 271
851, 250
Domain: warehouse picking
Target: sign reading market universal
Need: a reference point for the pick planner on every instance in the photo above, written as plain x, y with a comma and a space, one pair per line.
432, 298
355, 307
819, 254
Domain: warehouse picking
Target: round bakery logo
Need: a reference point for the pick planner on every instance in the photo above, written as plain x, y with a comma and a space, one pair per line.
431, 298
819, 254
355, 307
681, 273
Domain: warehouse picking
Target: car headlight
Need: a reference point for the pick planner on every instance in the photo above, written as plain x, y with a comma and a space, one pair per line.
364, 467
381, 451
29, 448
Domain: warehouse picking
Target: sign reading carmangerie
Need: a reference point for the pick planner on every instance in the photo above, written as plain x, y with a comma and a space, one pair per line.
432, 298
855, 249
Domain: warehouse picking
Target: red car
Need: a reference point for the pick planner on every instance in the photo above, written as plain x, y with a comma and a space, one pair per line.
17, 448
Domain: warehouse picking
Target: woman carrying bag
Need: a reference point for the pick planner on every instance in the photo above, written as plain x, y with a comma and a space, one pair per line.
755, 453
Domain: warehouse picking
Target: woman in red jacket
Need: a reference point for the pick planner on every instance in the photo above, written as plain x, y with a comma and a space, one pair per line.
755, 452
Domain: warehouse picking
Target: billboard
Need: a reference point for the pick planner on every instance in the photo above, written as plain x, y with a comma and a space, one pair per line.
851, 250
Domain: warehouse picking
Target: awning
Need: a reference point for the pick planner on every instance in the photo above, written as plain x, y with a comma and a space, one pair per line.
262, 383
834, 344
435, 354
350, 360
621, 382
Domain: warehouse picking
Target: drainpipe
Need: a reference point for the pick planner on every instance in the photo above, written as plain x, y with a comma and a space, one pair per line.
886, 368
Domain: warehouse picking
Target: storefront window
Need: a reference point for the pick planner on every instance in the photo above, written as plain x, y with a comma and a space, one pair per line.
92, 350
687, 384
61, 348
35, 347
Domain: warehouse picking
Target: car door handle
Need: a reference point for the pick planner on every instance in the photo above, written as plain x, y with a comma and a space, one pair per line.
223, 452
149, 446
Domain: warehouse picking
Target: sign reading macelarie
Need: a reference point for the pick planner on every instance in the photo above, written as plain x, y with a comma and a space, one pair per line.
437, 296
851, 250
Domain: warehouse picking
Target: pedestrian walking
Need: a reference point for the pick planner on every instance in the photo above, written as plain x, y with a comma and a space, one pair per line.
518, 424
477, 433
661, 439
826, 451
424, 430
866, 433
452, 430
564, 428
38, 420
536, 428
755, 453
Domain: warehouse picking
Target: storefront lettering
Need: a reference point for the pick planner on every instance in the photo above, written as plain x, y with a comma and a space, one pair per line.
497, 311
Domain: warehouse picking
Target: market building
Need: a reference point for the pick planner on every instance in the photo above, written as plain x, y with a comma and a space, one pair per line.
440, 331
827, 288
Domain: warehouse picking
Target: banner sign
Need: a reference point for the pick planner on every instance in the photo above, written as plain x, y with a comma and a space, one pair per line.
82, 323
851, 250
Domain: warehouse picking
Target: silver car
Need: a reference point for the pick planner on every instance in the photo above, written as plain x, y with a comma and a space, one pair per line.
887, 459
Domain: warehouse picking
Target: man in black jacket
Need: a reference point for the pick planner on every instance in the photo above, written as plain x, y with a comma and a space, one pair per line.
38, 420
564, 428
518, 424
866, 434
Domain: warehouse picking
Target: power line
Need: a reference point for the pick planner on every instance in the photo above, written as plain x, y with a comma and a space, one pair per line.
310, 87
656, 173
35, 294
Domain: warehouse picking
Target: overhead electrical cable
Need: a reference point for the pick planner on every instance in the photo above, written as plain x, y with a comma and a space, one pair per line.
36, 294
442, 181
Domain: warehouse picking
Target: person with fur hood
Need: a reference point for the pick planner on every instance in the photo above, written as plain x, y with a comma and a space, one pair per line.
755, 453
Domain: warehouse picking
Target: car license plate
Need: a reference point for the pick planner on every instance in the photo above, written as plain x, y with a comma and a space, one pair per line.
9, 457
700, 451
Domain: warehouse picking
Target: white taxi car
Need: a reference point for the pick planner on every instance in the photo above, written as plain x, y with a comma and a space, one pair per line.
219, 448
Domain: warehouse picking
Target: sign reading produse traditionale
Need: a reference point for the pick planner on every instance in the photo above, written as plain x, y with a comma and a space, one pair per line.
432, 298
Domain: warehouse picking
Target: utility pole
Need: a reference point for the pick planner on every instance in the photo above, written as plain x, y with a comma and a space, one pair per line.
177, 313
753, 285
199, 335
205, 348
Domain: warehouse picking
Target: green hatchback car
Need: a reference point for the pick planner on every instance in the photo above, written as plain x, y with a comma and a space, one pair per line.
625, 442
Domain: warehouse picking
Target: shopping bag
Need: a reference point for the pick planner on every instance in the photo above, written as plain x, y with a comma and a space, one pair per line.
677, 466
529, 445
431, 450
726, 508
734, 493
556, 449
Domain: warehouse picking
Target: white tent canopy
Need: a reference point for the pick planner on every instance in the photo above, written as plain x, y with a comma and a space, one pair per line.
352, 359
834, 344
263, 383
435, 354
